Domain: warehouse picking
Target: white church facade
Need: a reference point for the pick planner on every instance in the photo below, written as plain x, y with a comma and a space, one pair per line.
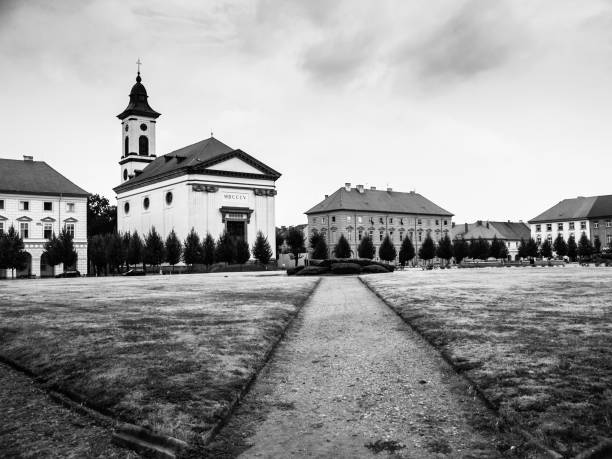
207, 186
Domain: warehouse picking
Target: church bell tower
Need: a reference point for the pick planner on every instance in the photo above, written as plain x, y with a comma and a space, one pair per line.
138, 132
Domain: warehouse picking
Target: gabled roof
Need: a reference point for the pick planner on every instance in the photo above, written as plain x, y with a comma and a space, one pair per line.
194, 159
489, 230
378, 201
577, 208
35, 177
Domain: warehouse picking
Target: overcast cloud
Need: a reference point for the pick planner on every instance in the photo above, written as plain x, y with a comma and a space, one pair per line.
493, 110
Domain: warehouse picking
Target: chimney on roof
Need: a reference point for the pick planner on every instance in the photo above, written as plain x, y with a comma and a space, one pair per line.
360, 188
326, 196
28, 158
373, 188
487, 225
389, 189
479, 223
466, 227
347, 186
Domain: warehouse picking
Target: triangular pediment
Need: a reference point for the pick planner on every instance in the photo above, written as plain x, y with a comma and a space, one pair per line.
3, 218
235, 164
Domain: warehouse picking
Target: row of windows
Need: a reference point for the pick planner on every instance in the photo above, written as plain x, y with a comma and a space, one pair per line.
143, 145
550, 238
381, 220
572, 226
47, 206
47, 230
381, 235
146, 202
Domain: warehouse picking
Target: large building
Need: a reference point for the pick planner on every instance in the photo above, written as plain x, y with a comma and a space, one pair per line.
208, 186
508, 232
355, 212
574, 217
39, 201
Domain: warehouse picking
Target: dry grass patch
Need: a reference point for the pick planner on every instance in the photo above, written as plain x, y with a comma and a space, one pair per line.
168, 352
537, 341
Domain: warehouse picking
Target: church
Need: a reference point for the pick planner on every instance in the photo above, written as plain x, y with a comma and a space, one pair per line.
208, 186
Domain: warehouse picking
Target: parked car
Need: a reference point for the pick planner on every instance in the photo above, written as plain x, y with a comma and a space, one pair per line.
134, 272
74, 273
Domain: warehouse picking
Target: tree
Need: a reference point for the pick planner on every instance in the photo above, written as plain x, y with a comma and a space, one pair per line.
482, 249
531, 248
12, 255
572, 248
460, 250
546, 249
208, 250
366, 248
318, 246
387, 251
560, 246
343, 248
496, 246
53, 250
522, 249
428, 249
585, 248
444, 250
503, 251
406, 253
174, 249
101, 216
243, 251
125, 245
278, 240
597, 245
192, 251
225, 251
295, 241
96, 250
262, 251
153, 251
135, 249
114, 254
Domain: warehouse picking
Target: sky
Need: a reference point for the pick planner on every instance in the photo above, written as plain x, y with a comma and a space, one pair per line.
492, 110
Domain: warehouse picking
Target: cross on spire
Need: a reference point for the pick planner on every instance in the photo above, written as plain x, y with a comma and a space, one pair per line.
138, 63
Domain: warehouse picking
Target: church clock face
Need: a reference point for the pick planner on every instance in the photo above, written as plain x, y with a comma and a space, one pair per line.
143, 127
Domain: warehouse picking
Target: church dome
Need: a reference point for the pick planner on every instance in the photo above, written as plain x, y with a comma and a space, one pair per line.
138, 102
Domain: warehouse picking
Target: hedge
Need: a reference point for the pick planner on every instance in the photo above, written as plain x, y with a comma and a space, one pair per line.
312, 271
374, 269
346, 268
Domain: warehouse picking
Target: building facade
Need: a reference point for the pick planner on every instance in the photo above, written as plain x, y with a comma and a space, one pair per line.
591, 216
207, 186
356, 212
38, 201
508, 232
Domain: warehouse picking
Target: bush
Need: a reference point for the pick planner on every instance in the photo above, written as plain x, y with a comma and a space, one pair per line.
294, 270
311, 271
346, 268
358, 261
374, 269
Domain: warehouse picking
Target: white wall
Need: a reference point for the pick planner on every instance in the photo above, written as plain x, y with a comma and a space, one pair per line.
555, 232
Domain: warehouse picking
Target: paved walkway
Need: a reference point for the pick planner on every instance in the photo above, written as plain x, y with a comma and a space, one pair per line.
351, 380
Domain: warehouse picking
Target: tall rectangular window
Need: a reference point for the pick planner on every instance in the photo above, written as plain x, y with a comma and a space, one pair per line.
1, 227
538, 228
401, 236
418, 221
360, 219
24, 230
70, 207
1, 204
70, 229
348, 219
608, 223
559, 226
48, 230
360, 234
595, 225
47, 206
549, 227
24, 205
391, 220
571, 225
609, 239
582, 225
380, 236
333, 219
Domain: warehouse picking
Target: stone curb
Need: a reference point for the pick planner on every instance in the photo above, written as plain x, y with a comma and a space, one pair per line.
208, 436
530, 439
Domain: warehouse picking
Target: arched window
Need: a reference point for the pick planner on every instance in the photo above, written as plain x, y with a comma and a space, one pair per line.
143, 145
126, 148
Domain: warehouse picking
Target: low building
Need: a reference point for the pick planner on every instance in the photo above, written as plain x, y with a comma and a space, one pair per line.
508, 232
355, 212
574, 217
39, 201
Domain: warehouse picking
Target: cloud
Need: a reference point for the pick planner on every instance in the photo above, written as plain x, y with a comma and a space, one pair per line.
481, 35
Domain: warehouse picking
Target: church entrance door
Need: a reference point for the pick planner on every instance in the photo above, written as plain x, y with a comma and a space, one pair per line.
236, 230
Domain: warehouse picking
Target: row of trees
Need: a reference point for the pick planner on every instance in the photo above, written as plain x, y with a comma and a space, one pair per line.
113, 251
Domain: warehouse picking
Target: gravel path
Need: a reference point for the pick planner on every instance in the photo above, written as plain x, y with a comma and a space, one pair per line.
34, 426
352, 380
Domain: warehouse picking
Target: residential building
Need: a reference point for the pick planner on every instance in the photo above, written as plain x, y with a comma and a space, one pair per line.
356, 212
208, 186
510, 233
39, 201
574, 217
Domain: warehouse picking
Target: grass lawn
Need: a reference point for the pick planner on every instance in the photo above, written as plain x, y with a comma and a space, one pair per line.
537, 341
168, 352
